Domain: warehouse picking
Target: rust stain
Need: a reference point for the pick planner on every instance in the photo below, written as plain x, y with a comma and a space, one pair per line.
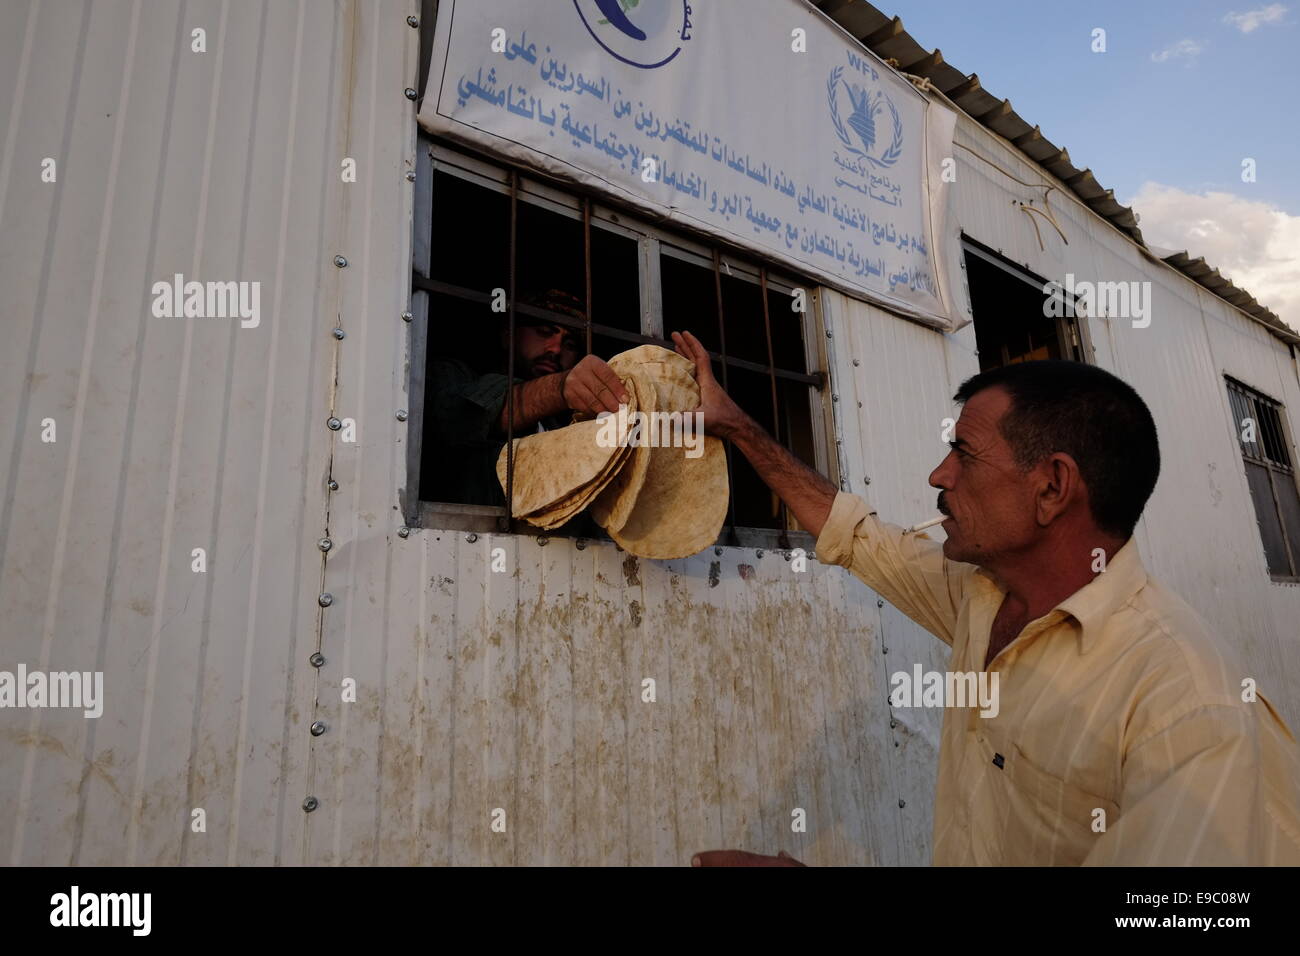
746, 571
630, 568
715, 572
142, 606
635, 610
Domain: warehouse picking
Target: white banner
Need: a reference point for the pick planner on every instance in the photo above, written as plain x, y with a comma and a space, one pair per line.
757, 121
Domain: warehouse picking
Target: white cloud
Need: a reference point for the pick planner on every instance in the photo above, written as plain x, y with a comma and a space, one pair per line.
1253, 243
1253, 19
1183, 48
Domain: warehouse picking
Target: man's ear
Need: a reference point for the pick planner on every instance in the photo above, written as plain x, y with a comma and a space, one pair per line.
1061, 486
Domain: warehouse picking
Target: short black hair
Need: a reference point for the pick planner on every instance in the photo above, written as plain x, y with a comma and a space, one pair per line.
1089, 414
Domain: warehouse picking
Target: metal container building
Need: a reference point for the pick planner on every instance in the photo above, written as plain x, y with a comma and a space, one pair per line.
168, 531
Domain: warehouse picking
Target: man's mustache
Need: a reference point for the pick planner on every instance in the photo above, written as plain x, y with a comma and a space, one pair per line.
942, 505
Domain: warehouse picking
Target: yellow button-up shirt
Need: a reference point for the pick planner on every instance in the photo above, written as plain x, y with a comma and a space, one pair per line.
1121, 736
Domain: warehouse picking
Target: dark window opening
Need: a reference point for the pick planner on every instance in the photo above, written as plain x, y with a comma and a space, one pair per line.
1262, 437
643, 282
1012, 320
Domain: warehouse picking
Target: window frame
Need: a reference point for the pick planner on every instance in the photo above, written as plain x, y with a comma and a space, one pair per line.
435, 154
1279, 474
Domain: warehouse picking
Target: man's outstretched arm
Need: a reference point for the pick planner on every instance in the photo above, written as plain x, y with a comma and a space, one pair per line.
806, 493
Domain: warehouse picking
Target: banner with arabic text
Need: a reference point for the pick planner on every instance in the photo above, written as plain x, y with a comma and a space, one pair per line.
757, 121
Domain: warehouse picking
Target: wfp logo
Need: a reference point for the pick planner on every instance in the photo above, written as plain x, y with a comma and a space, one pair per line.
641, 33
866, 120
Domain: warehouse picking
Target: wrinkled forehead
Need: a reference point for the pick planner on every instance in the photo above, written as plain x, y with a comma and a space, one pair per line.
981, 415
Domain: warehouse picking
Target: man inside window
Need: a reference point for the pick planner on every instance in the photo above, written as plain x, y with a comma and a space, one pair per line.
466, 410
1127, 731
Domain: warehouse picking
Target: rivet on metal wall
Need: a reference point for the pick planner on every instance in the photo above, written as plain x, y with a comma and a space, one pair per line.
856, 363
317, 659
410, 93
403, 532
401, 414
542, 540
471, 537
339, 334
410, 175
758, 552
901, 803
318, 728
828, 333
835, 398
867, 480
879, 603
581, 544
310, 804
333, 424
718, 552
324, 544
413, 21
340, 262
325, 600
407, 317
884, 649
892, 723
332, 485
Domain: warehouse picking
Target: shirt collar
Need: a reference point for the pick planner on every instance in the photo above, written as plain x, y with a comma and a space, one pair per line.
1094, 603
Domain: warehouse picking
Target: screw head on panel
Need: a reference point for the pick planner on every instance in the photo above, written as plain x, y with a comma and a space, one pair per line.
471, 537
318, 728
325, 600
410, 93
758, 553
310, 804
332, 485
542, 540
333, 424
828, 334
410, 175
856, 363
401, 414
718, 552
413, 21
339, 334
581, 544
403, 532
407, 317
324, 544
317, 659
340, 262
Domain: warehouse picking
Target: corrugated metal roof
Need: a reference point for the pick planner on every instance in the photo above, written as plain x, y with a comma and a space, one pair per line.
885, 36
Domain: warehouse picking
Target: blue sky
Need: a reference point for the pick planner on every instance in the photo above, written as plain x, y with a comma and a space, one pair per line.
1165, 116
1187, 121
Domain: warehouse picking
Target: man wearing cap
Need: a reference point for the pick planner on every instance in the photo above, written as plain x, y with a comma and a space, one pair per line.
468, 413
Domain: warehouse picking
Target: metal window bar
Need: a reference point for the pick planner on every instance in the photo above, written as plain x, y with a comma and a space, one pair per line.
418, 282
1269, 451
726, 446
507, 522
782, 521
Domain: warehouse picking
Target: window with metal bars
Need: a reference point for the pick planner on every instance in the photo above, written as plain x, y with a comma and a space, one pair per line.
489, 238
1266, 453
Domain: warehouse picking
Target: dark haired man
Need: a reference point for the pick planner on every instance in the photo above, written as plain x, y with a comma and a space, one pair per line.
1123, 735
467, 410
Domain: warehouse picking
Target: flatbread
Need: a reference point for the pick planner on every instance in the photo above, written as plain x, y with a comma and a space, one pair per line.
614, 504
682, 503
558, 472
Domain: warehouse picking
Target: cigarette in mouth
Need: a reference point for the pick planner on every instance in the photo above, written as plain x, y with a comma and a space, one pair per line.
926, 524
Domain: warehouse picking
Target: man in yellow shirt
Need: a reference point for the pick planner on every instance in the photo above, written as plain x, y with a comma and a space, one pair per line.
1126, 733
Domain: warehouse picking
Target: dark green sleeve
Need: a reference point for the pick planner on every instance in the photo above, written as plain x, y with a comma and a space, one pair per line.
460, 436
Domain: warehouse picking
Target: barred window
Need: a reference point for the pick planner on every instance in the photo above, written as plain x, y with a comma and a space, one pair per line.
1266, 453
488, 237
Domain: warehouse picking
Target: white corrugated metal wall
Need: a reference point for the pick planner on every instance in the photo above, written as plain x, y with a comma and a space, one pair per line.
475, 691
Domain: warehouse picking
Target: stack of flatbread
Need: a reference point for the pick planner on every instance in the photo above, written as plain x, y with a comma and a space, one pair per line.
653, 499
